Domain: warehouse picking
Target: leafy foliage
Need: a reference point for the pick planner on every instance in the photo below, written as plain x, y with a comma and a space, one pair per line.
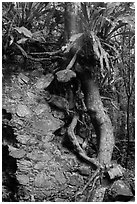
102, 25
25, 18
24, 13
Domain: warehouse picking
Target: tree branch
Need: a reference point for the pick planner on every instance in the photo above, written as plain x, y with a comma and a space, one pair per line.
47, 53
43, 59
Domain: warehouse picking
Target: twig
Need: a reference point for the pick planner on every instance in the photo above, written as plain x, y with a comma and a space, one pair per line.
88, 183
47, 53
43, 59
36, 59
90, 180
107, 98
94, 182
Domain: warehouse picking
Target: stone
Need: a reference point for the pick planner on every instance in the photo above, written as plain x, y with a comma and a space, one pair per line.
47, 138
31, 97
129, 179
48, 124
119, 191
75, 180
59, 200
98, 195
52, 167
24, 166
23, 179
39, 165
17, 153
10, 101
44, 81
59, 102
35, 73
23, 139
37, 155
32, 141
59, 176
23, 79
41, 108
19, 122
70, 191
25, 163
116, 172
23, 110
15, 95
41, 180
84, 170
58, 114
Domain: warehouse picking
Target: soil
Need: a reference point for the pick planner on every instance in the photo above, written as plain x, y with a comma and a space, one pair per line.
43, 167
38, 161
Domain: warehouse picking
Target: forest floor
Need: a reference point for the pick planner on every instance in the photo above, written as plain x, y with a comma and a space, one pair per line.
37, 163
46, 169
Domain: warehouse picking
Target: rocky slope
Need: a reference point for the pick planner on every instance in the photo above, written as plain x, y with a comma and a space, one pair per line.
46, 169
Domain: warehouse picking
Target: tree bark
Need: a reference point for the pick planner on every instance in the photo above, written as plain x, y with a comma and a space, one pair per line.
99, 118
128, 129
66, 22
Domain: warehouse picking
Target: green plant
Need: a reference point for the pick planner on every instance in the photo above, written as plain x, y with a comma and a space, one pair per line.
99, 27
21, 18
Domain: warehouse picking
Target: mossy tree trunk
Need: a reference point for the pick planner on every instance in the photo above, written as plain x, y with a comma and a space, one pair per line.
99, 118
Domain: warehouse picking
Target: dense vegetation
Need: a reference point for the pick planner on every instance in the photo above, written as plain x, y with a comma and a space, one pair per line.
87, 52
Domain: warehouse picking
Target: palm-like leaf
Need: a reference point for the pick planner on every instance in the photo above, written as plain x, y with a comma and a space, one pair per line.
103, 23
26, 12
24, 16
100, 52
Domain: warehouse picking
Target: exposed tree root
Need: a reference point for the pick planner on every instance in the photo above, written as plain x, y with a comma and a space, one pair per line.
93, 161
104, 132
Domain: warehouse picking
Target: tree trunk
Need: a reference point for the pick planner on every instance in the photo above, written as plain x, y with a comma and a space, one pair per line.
128, 129
99, 119
66, 23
